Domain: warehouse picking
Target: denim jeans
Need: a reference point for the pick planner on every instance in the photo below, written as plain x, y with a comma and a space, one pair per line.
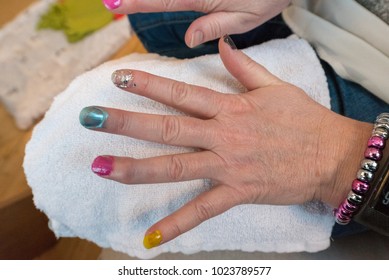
163, 33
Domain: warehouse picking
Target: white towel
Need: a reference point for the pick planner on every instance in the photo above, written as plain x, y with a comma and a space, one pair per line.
79, 203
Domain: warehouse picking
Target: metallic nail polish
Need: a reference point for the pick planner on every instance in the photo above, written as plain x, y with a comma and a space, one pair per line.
152, 239
102, 165
123, 78
112, 4
93, 117
227, 39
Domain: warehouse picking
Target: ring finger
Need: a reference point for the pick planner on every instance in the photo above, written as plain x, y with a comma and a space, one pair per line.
169, 168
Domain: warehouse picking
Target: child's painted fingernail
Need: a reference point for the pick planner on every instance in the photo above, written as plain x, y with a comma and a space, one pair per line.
152, 239
93, 117
112, 4
227, 39
123, 78
102, 165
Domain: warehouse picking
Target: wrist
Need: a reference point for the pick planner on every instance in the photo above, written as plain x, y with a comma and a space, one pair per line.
345, 147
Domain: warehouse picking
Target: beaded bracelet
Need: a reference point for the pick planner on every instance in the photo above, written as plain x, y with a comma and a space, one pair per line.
365, 175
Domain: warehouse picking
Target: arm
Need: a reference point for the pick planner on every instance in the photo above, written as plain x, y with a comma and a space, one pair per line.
222, 16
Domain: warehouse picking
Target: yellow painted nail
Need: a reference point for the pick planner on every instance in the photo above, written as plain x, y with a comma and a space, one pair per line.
152, 239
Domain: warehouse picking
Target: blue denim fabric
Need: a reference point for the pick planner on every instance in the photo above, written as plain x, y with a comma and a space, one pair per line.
163, 33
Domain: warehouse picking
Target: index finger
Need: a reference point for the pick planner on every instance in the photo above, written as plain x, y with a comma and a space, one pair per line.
194, 100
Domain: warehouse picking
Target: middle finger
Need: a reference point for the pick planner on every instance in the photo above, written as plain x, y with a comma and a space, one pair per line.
165, 129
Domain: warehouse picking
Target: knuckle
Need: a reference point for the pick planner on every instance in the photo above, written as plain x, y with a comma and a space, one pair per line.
216, 29
167, 5
176, 229
129, 174
179, 93
123, 123
170, 129
175, 169
201, 6
203, 210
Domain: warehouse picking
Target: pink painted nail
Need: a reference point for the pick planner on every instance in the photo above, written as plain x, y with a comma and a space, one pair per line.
112, 4
102, 165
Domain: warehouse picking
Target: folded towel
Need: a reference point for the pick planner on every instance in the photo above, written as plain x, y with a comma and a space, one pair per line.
79, 203
38, 65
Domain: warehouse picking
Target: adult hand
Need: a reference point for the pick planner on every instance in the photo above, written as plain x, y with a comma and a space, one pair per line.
223, 16
270, 145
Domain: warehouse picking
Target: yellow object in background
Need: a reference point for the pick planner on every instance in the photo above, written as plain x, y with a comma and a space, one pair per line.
76, 18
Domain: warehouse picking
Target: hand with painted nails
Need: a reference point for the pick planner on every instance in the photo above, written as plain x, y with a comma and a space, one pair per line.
222, 16
270, 145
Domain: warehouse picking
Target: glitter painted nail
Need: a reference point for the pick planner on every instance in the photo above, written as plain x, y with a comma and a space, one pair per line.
123, 78
93, 117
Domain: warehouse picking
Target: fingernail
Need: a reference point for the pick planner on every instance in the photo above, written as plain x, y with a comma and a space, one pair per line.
93, 117
197, 39
123, 78
227, 39
102, 165
152, 239
112, 4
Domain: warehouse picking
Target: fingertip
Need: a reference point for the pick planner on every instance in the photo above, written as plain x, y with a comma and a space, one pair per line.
152, 239
103, 165
195, 39
93, 117
226, 39
123, 78
112, 4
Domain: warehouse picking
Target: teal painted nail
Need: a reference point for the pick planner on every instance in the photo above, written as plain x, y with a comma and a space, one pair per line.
93, 117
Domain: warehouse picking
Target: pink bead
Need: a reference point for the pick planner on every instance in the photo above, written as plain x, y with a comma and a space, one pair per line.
376, 142
373, 153
342, 219
349, 206
360, 187
345, 212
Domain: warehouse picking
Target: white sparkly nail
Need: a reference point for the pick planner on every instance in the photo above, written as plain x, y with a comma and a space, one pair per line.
123, 78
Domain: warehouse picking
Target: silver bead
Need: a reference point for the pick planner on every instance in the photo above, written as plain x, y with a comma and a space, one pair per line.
381, 132
383, 125
369, 165
364, 175
382, 119
355, 198
342, 221
383, 115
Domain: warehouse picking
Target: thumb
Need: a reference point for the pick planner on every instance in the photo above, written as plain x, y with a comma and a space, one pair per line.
247, 71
